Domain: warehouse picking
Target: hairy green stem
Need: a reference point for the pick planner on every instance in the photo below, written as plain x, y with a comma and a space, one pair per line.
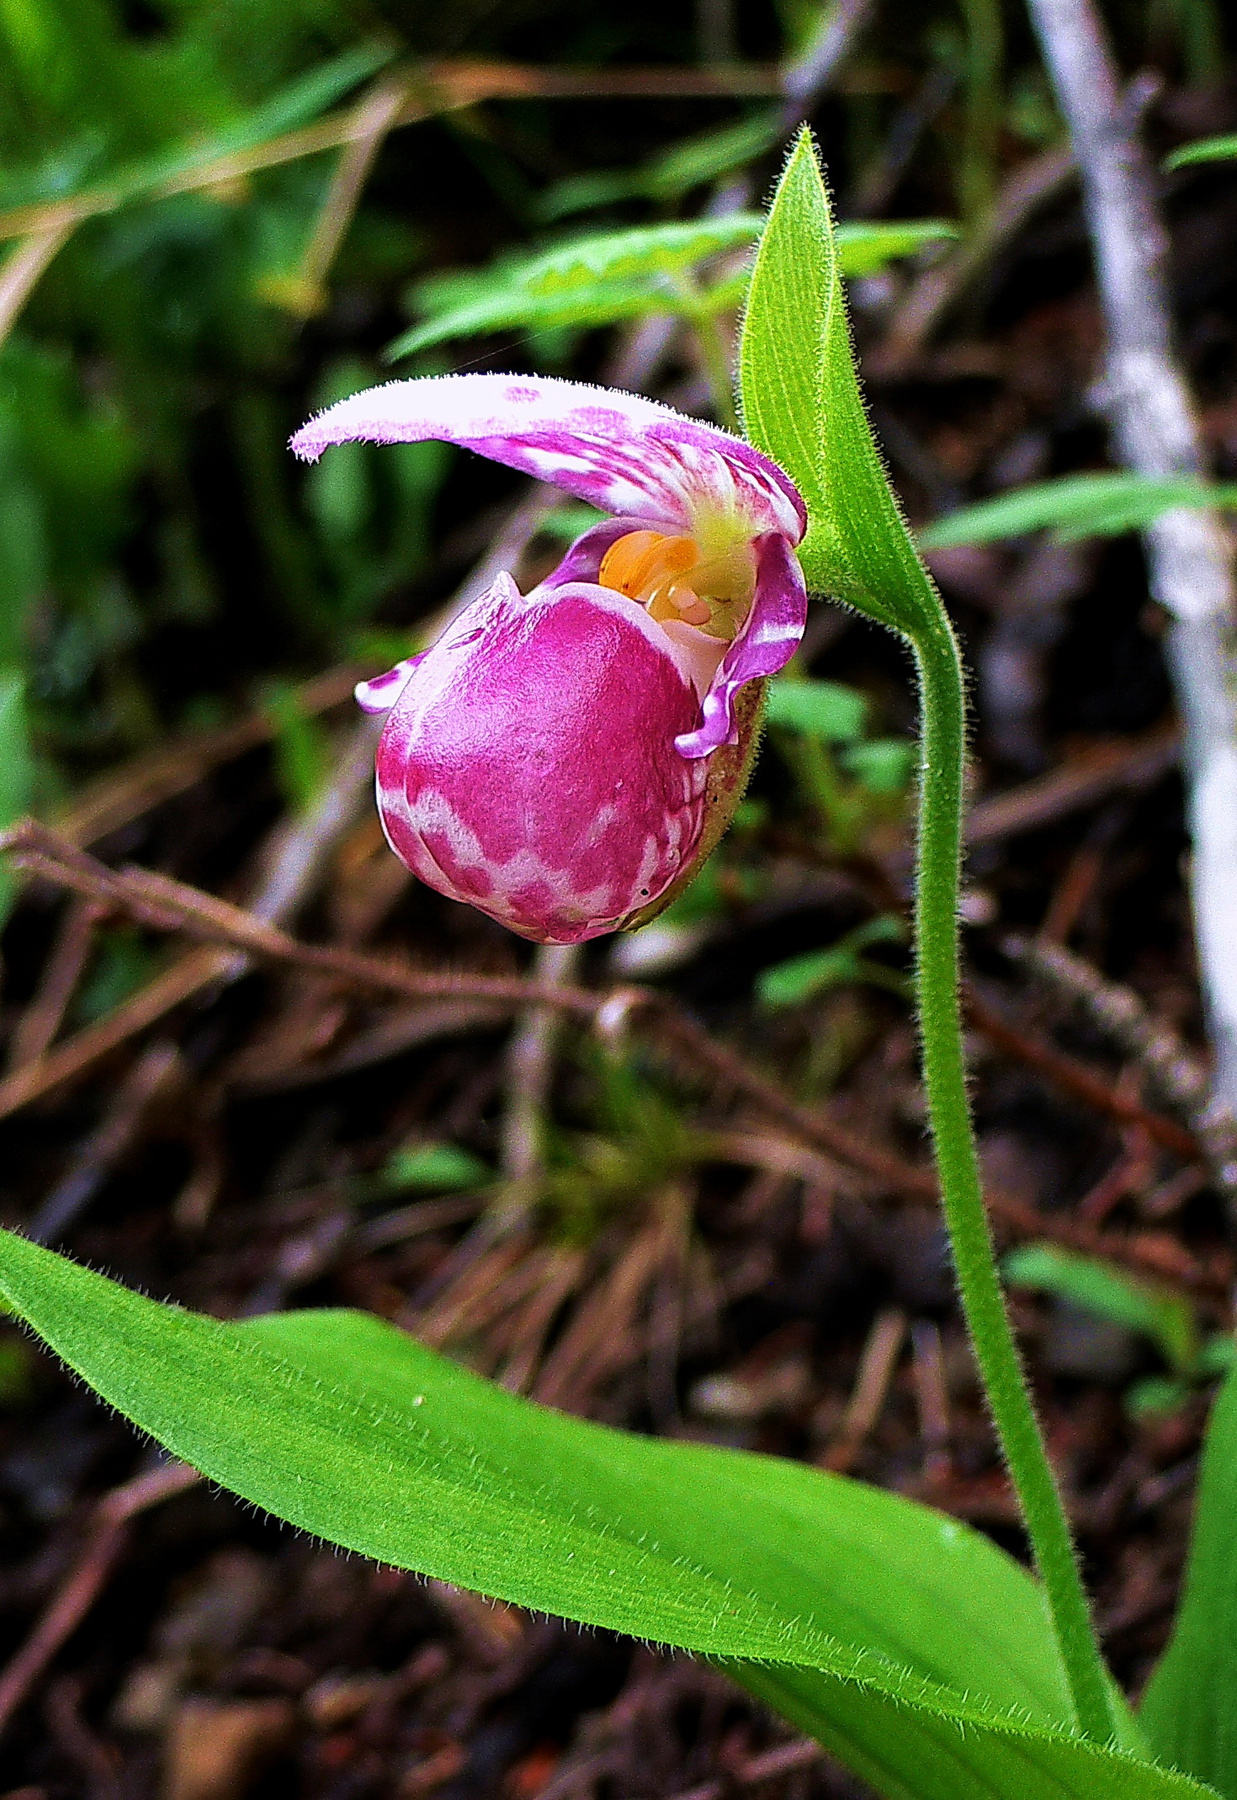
940, 832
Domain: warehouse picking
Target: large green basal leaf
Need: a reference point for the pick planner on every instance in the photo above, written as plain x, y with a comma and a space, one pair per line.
906, 1641
1190, 1710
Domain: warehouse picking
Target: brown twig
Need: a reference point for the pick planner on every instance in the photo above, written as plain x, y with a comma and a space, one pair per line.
188, 976
164, 904
106, 1538
1064, 1072
1092, 776
38, 1025
232, 933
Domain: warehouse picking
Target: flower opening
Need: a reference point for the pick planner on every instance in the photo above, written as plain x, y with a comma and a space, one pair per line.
564, 760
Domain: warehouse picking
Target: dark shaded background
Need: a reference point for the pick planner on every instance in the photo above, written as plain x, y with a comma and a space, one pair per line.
176, 594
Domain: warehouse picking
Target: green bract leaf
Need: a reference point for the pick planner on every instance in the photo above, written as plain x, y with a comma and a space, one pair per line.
698, 159
1077, 506
1111, 1293
1210, 149
669, 176
906, 1641
588, 281
1190, 1709
801, 404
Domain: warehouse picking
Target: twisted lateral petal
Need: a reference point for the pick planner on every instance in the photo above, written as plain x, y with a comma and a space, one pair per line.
618, 451
379, 694
766, 644
528, 766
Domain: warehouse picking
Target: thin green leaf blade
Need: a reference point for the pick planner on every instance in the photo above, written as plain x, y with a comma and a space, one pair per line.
1208, 149
1111, 1293
929, 1642
646, 250
1190, 1710
1076, 506
513, 309
865, 246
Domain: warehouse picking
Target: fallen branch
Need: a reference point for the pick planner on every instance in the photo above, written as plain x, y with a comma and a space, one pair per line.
233, 938
107, 1534
1156, 433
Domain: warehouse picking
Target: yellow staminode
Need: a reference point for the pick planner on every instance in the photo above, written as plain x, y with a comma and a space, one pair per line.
670, 577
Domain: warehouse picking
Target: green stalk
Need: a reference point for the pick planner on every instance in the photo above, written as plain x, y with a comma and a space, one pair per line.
942, 696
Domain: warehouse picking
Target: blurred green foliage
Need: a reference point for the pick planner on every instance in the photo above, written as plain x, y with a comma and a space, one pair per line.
161, 559
843, 964
1163, 1316
436, 1168
151, 332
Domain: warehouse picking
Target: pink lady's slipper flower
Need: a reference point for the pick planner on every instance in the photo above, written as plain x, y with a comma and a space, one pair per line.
565, 759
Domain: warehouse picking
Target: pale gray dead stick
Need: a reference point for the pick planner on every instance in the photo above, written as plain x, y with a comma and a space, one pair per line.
1156, 433
808, 78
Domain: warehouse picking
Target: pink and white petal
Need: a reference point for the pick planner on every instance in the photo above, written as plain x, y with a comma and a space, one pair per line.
379, 694
769, 640
617, 451
530, 772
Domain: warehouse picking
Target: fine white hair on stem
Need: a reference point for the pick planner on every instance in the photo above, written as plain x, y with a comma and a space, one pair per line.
1155, 431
